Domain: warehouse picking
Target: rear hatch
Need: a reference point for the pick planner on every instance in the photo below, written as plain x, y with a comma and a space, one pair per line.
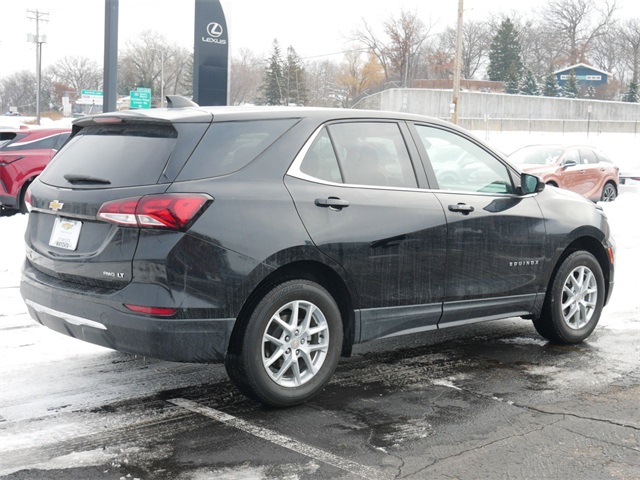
113, 160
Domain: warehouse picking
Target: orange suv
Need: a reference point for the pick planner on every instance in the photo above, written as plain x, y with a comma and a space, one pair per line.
24, 152
583, 170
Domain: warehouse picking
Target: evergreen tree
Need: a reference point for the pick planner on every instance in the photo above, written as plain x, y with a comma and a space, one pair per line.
571, 88
513, 84
505, 54
296, 88
274, 88
632, 95
529, 85
551, 87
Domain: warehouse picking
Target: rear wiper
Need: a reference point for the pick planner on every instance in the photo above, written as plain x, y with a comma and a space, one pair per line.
85, 179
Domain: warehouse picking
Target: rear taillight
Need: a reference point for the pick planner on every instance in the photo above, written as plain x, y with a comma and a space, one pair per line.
174, 211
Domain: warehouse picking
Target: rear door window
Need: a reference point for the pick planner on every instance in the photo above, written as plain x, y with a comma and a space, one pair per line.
360, 153
229, 146
117, 155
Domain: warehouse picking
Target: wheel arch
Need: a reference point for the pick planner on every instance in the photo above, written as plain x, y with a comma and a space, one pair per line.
303, 270
595, 248
22, 192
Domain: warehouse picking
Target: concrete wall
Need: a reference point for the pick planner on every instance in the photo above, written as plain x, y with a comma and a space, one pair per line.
498, 111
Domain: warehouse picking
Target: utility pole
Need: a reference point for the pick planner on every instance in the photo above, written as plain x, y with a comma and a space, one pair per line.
38, 39
457, 67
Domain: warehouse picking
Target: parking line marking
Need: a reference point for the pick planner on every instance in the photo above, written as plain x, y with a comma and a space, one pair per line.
282, 440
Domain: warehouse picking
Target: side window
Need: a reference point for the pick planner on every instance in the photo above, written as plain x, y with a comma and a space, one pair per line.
461, 165
571, 155
321, 161
43, 143
372, 153
230, 146
588, 156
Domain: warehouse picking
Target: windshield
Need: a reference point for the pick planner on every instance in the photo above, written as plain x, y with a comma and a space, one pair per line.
536, 155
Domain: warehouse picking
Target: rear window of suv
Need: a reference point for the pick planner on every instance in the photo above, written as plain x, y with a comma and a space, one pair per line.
119, 155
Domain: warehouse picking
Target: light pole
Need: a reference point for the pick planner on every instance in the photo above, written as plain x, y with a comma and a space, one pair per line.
161, 52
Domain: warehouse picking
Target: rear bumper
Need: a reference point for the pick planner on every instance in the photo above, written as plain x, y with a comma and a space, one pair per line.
90, 318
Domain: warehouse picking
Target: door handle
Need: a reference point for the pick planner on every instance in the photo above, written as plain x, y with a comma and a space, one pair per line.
331, 202
462, 208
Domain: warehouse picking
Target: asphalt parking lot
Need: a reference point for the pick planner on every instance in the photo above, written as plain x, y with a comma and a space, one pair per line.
492, 400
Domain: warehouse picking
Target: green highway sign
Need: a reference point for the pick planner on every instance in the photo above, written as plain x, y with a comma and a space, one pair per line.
140, 98
92, 93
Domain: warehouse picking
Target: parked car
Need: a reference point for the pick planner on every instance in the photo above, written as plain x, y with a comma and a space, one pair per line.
24, 153
584, 170
630, 177
274, 239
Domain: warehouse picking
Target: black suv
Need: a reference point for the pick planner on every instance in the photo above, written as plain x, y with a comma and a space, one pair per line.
274, 239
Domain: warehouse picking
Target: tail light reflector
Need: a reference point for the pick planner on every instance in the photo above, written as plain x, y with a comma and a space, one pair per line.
159, 311
174, 211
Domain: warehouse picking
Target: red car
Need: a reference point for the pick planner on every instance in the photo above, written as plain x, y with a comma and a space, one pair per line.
24, 153
583, 170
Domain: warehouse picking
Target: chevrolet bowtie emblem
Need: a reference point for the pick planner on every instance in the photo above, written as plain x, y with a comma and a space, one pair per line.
55, 205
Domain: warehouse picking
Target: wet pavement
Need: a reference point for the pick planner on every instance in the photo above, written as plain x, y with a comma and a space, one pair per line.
484, 401
492, 400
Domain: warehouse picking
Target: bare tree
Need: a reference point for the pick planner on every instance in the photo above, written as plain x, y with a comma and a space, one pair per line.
398, 50
79, 73
359, 74
324, 90
19, 91
630, 39
246, 77
476, 41
577, 23
607, 53
149, 61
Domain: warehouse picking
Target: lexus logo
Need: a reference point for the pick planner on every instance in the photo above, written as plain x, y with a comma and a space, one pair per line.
214, 29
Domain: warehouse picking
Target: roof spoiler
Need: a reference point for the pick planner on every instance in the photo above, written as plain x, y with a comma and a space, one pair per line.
178, 101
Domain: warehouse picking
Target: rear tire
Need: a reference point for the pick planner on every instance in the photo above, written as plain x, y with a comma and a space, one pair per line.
609, 193
574, 300
289, 346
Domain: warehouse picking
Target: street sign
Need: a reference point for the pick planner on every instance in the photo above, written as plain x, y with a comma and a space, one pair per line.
89, 97
140, 98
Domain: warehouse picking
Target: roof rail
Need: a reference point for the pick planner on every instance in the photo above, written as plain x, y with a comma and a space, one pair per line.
178, 101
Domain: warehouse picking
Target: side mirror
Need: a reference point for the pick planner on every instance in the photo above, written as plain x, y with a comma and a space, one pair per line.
531, 184
569, 163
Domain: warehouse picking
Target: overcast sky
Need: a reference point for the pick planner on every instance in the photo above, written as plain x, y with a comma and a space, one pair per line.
76, 27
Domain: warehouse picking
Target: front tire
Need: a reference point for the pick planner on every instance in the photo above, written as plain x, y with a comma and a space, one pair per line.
574, 300
289, 346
